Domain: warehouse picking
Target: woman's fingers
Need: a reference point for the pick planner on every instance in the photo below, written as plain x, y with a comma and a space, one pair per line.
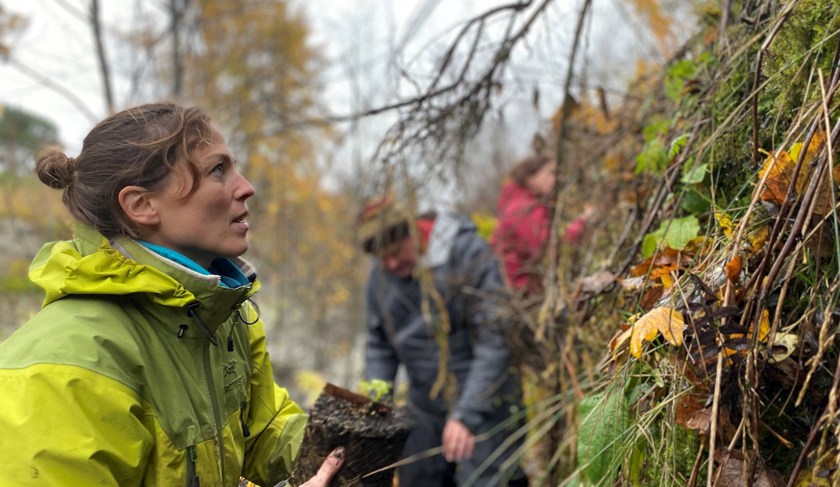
328, 469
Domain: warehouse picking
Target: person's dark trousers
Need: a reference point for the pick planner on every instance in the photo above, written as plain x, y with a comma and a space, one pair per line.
433, 471
475, 472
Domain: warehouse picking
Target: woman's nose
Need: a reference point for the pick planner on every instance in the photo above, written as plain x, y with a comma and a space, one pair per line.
244, 190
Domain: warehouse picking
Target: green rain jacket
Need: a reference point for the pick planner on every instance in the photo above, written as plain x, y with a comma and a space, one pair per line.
138, 371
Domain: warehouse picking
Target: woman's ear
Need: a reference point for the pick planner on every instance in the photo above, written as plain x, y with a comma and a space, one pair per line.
137, 205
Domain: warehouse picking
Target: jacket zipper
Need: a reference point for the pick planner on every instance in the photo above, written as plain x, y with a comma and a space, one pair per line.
192, 478
237, 318
245, 431
211, 389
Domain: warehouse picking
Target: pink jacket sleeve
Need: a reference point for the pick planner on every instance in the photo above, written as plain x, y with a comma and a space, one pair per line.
574, 230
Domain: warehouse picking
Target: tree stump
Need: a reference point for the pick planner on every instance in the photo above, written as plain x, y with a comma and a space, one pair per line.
372, 434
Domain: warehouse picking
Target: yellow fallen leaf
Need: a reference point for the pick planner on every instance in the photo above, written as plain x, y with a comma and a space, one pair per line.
725, 223
672, 327
816, 144
780, 169
662, 320
758, 239
763, 326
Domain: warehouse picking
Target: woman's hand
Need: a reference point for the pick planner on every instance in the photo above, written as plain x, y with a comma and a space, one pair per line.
328, 469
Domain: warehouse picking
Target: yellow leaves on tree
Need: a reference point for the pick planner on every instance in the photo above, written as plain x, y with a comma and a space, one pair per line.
658, 21
255, 66
587, 116
9, 24
663, 321
252, 65
780, 170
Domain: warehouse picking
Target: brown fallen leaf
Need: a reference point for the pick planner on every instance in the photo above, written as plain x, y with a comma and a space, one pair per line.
731, 472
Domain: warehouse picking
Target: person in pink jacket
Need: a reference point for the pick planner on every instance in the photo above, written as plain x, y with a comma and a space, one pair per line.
524, 220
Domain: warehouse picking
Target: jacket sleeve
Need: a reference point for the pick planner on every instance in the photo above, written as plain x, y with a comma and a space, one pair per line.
381, 360
275, 422
65, 425
490, 364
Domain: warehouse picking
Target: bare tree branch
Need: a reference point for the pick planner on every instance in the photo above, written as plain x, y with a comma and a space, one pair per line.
433, 91
57, 87
437, 124
96, 25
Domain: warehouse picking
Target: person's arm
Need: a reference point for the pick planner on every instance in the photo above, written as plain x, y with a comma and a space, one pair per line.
381, 360
491, 354
276, 423
65, 425
577, 227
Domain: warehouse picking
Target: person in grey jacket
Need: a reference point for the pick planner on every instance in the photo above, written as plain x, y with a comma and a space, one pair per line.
430, 297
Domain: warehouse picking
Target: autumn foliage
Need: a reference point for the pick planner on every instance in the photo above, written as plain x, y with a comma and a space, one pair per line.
722, 367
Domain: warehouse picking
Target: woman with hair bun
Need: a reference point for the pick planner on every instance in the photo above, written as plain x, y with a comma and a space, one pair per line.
147, 364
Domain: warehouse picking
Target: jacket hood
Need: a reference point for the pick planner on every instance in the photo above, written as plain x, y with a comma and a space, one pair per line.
89, 264
446, 228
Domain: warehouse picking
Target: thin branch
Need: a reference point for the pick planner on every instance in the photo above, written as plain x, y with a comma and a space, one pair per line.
56, 87
104, 69
551, 275
500, 58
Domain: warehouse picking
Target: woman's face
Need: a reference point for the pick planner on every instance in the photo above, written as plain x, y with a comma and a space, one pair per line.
542, 181
210, 222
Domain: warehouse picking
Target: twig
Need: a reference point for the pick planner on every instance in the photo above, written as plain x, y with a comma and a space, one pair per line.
550, 277
434, 92
829, 408
713, 427
757, 76
695, 470
726, 8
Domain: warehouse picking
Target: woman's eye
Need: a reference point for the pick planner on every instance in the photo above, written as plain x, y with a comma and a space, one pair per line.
218, 169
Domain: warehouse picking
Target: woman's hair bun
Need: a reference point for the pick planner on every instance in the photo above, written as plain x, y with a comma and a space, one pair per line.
55, 168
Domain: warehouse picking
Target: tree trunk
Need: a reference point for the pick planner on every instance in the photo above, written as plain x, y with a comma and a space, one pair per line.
96, 24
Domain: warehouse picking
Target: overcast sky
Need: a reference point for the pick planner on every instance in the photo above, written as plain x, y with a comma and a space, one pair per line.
57, 47
359, 39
